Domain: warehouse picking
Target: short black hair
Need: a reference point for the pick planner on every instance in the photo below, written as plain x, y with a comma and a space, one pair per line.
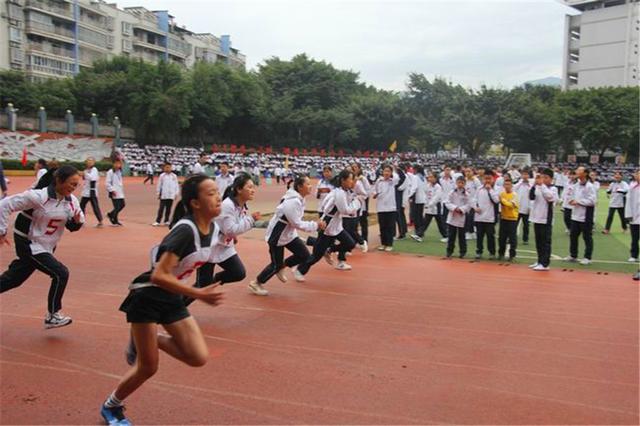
547, 172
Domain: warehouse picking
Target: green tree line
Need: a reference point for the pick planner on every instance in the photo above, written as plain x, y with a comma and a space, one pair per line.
305, 103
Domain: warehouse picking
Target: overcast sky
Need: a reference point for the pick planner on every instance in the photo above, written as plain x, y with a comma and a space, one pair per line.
495, 42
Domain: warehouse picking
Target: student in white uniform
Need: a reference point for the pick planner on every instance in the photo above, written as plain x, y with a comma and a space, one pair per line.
448, 184
543, 195
432, 207
282, 233
458, 204
402, 189
362, 190
419, 200
224, 179
521, 190
41, 169
115, 188
44, 214
617, 192
158, 297
340, 203
567, 196
167, 191
150, 174
583, 202
471, 185
324, 187
485, 203
385, 195
632, 213
90, 189
234, 220
199, 166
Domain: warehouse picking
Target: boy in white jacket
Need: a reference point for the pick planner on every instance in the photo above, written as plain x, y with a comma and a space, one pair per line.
458, 203
167, 191
115, 188
632, 213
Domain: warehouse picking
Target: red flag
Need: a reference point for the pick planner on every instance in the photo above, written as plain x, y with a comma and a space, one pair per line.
24, 156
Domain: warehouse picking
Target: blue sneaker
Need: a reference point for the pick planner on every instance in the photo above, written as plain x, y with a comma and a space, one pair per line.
131, 353
114, 416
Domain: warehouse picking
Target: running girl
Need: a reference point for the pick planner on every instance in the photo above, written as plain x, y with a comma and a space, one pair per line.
90, 189
157, 296
281, 233
44, 213
115, 188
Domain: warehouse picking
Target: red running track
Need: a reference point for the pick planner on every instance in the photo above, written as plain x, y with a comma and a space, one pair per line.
398, 340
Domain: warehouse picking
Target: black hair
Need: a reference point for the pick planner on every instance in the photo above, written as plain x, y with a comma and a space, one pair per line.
297, 182
42, 162
341, 177
188, 192
238, 183
327, 167
488, 172
548, 172
461, 178
166, 163
419, 169
387, 166
527, 170
65, 172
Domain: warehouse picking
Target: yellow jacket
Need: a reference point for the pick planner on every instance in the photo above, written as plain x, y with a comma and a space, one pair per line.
509, 206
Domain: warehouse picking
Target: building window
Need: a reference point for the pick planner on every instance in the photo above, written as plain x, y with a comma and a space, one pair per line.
127, 28
15, 34
127, 45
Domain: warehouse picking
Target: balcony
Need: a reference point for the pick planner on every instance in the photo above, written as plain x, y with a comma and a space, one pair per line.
88, 57
59, 32
49, 71
142, 42
148, 26
146, 57
50, 8
50, 49
178, 47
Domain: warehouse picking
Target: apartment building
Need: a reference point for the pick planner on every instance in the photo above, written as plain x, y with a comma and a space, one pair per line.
57, 38
601, 44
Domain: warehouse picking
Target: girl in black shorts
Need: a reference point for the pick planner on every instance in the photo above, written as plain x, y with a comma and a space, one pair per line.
156, 296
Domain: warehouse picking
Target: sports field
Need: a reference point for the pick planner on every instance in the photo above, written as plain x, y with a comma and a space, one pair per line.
397, 340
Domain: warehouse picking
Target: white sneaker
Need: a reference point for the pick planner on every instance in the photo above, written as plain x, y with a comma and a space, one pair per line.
56, 320
444, 240
257, 289
570, 259
381, 248
348, 254
343, 266
541, 268
281, 275
632, 260
328, 258
416, 238
566, 231
388, 248
155, 224
298, 276
533, 265
585, 261
364, 247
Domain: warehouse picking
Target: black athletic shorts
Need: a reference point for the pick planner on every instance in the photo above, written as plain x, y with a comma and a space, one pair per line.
155, 305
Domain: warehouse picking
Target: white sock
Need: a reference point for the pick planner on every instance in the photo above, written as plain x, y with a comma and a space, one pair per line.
112, 401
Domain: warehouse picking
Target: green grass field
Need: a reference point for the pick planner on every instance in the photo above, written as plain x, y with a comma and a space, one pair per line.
610, 252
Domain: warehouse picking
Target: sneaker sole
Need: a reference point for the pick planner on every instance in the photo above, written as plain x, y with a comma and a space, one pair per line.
50, 326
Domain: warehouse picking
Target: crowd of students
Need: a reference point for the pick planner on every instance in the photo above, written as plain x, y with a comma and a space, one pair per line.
211, 214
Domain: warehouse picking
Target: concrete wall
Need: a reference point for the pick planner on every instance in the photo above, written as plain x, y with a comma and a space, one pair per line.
60, 126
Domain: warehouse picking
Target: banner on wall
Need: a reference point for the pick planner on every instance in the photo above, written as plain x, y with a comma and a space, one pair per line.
572, 158
594, 159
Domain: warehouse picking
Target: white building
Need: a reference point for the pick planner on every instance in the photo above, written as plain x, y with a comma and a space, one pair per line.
57, 38
601, 44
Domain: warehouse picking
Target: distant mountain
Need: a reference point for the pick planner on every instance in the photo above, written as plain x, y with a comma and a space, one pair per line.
549, 81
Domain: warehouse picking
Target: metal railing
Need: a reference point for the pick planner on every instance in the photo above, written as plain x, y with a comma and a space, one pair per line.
49, 7
48, 28
49, 70
48, 48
